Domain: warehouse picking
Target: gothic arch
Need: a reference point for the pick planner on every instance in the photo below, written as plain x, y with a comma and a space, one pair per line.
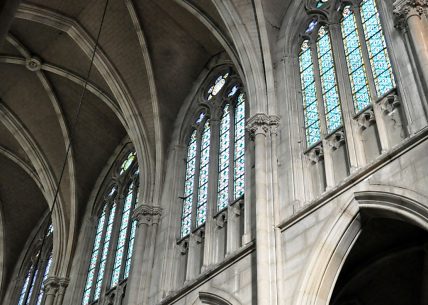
323, 270
215, 297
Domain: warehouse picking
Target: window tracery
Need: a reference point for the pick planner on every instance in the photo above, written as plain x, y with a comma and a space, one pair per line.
365, 52
113, 242
225, 104
32, 288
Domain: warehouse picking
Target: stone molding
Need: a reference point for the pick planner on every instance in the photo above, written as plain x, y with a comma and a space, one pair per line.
262, 123
403, 9
53, 284
147, 215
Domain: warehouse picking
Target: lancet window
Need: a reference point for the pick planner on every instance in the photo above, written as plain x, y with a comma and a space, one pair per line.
360, 41
113, 240
215, 152
37, 271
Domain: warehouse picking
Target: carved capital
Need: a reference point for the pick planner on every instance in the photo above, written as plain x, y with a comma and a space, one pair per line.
198, 236
316, 154
147, 215
262, 123
183, 246
403, 9
53, 285
221, 220
366, 119
336, 140
389, 103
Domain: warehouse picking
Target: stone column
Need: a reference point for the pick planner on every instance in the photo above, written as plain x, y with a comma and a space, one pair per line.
412, 17
259, 126
54, 288
145, 216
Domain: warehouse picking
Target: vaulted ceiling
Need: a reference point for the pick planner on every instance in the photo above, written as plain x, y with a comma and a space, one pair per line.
150, 53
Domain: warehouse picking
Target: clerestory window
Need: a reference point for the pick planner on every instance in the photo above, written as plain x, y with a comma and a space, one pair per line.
361, 43
215, 151
113, 241
40, 261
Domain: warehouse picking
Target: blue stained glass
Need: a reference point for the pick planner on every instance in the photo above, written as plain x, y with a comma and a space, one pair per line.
189, 185
223, 180
222, 200
239, 150
309, 95
45, 276
375, 40
328, 80
94, 258
130, 250
106, 245
203, 175
25, 286
122, 237
30, 292
354, 60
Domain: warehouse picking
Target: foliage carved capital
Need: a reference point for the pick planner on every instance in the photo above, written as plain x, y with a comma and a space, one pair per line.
147, 215
403, 9
262, 123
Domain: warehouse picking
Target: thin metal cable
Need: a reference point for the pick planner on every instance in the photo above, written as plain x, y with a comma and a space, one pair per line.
64, 164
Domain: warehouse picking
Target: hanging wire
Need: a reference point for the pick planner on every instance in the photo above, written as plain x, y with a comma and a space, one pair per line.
64, 164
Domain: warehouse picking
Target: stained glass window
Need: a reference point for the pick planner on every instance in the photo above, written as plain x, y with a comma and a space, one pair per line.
28, 279
217, 86
127, 163
186, 219
354, 60
309, 94
239, 152
223, 170
45, 276
227, 110
378, 53
201, 206
329, 88
32, 289
115, 233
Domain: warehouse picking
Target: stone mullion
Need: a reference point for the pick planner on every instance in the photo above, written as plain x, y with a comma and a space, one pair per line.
196, 177
413, 15
381, 127
210, 242
233, 208
346, 99
318, 85
366, 54
128, 231
232, 143
105, 287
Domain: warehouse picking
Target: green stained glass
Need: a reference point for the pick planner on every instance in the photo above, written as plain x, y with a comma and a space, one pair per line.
189, 185
376, 45
223, 181
328, 81
239, 148
312, 123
